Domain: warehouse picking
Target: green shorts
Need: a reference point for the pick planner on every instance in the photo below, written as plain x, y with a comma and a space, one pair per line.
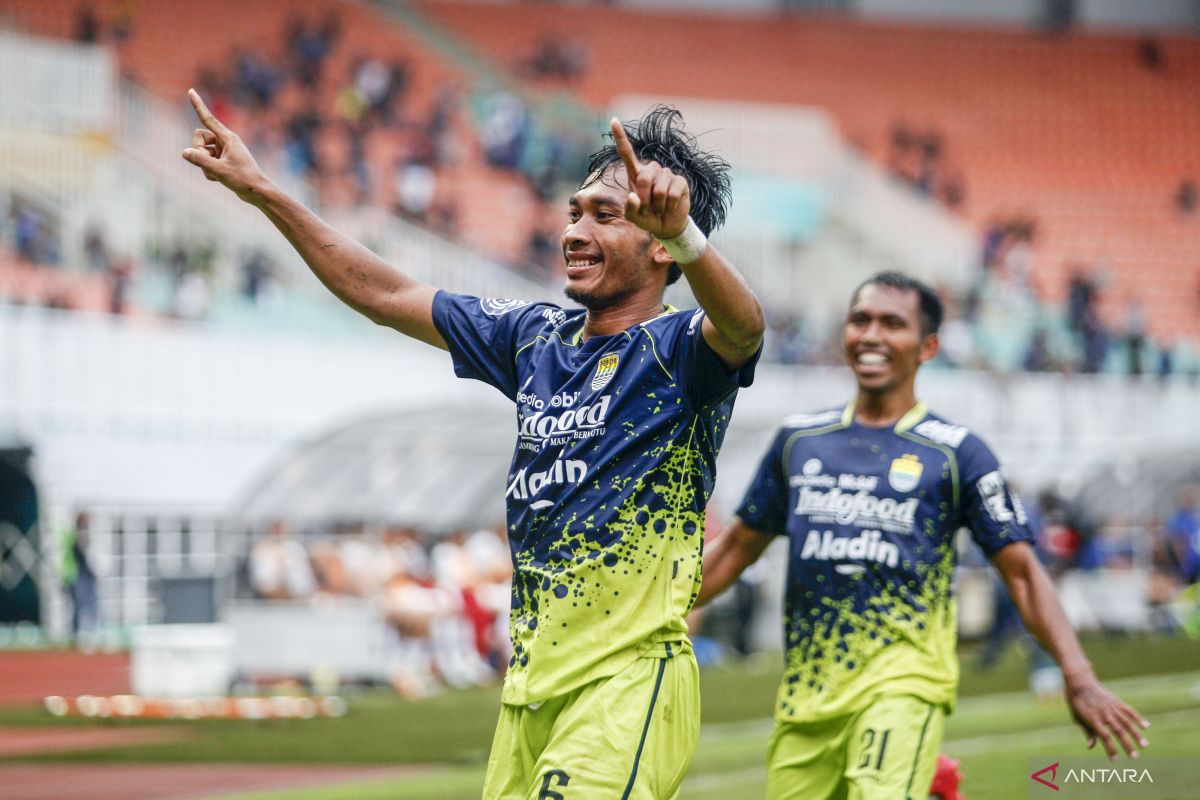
887, 751
631, 735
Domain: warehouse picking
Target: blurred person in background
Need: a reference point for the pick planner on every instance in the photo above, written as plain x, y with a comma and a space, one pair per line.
1047, 512
79, 578
1165, 577
489, 550
871, 496
279, 567
1184, 530
87, 24
411, 606
622, 407
366, 558
456, 635
333, 579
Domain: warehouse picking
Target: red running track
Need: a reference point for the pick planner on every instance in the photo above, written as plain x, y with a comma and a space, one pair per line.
31, 675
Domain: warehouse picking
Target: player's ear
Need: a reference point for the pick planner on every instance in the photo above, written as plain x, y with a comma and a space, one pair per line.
930, 345
659, 254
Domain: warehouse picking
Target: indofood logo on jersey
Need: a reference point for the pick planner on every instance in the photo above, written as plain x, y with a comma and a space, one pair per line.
905, 473
859, 508
605, 371
578, 422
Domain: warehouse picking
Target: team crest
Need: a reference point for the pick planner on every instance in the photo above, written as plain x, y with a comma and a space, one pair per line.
604, 371
905, 473
499, 306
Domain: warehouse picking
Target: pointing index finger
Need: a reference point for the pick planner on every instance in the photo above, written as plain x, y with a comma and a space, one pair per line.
625, 150
206, 117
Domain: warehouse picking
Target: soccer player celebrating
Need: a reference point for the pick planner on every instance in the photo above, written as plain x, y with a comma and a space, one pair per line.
870, 497
621, 409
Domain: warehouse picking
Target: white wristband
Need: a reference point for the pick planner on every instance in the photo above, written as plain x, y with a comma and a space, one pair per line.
687, 246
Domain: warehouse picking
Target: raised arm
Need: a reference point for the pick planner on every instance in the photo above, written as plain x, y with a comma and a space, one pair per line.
659, 202
359, 278
1101, 714
727, 557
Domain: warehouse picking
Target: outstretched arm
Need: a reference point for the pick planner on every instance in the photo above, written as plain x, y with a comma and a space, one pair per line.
1100, 713
359, 278
659, 202
727, 557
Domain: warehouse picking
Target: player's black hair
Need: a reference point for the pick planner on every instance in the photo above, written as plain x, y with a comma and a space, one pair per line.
930, 303
659, 136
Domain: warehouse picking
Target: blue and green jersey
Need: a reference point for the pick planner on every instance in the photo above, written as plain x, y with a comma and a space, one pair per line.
871, 515
617, 440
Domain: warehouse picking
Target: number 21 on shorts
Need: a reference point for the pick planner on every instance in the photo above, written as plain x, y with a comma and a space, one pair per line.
874, 747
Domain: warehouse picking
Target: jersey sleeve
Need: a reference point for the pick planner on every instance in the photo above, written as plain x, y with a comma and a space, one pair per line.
484, 335
991, 510
699, 370
765, 506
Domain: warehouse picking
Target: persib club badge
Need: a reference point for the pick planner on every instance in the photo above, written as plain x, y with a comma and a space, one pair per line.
604, 371
905, 473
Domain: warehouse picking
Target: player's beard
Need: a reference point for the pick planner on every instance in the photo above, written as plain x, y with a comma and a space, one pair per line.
597, 299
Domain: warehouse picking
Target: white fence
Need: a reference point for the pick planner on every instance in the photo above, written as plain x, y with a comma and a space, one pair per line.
138, 411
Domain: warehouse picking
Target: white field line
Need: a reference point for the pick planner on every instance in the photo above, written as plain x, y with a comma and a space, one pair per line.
719, 780
1020, 741
719, 731
1025, 740
964, 746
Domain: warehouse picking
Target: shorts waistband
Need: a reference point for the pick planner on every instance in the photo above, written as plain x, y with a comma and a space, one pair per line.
669, 649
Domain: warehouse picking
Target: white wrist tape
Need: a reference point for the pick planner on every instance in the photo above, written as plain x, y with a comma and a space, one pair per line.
687, 246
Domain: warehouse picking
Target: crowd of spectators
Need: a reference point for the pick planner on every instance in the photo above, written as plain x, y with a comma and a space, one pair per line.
327, 114
91, 28
999, 321
1096, 564
445, 600
185, 265
918, 158
557, 56
361, 137
31, 252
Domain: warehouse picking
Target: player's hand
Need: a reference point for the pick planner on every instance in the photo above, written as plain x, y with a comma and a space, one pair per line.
659, 201
1104, 717
221, 154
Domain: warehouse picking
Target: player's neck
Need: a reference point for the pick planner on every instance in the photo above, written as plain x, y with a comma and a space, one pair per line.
881, 409
607, 321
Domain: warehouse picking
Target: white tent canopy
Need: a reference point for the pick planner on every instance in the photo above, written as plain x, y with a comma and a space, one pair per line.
442, 466
437, 468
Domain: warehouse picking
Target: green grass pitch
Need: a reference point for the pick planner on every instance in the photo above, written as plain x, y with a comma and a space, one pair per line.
996, 727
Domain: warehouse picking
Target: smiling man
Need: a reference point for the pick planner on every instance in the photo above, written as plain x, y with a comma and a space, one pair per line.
870, 497
621, 408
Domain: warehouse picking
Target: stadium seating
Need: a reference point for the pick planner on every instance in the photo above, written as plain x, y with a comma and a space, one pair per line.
1071, 130
172, 43
1076, 132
